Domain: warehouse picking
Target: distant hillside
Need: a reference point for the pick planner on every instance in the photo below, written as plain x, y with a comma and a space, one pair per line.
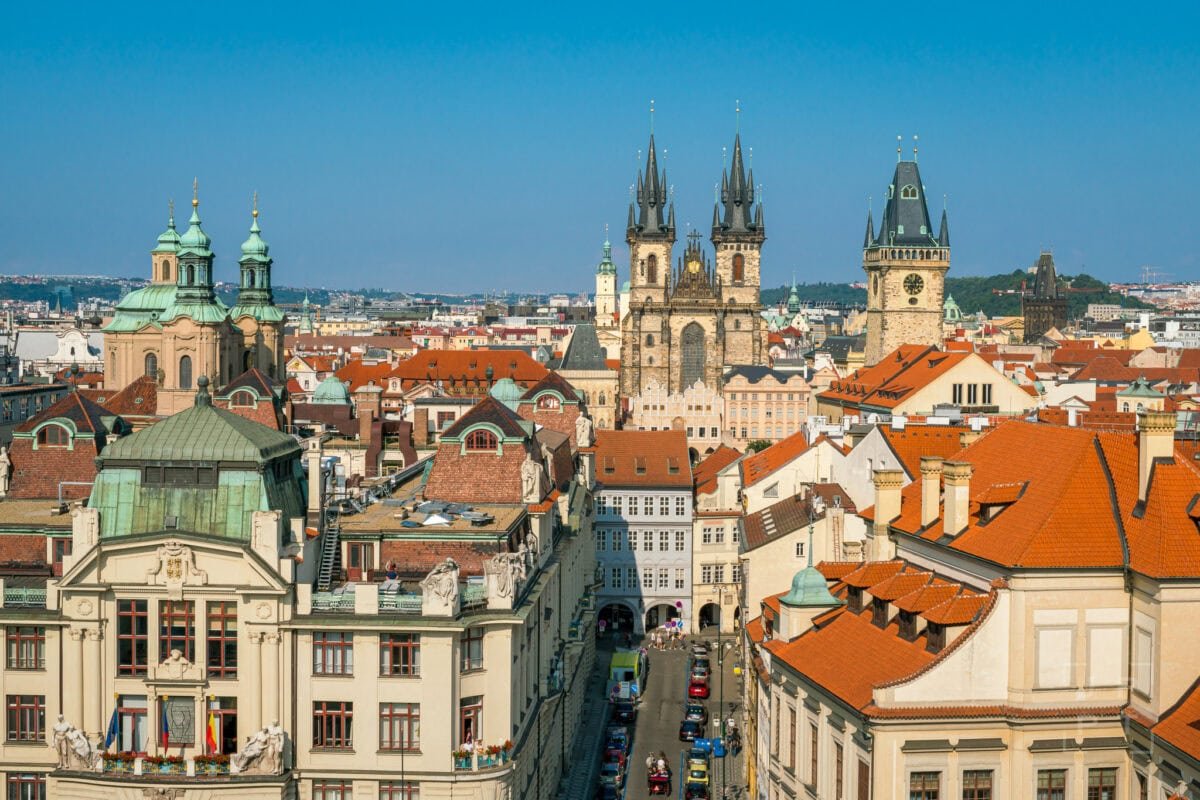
971, 293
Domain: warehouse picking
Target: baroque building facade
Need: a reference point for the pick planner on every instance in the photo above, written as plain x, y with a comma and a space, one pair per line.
176, 329
684, 325
906, 268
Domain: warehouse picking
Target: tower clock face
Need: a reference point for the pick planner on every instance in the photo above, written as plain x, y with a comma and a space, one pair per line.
914, 283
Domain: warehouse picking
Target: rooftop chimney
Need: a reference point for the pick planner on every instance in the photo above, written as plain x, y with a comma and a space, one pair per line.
1156, 439
931, 489
888, 483
958, 496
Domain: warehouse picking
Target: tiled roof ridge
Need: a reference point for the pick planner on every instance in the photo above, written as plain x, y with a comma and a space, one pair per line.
995, 710
945, 652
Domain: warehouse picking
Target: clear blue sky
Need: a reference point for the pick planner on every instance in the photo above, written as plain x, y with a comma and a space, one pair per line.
441, 146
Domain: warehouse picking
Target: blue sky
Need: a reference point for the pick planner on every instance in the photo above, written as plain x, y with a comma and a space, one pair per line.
462, 147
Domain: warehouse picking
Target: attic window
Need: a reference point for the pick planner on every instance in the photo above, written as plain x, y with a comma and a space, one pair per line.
481, 440
609, 465
908, 625
639, 465
672, 465
909, 192
854, 598
879, 615
242, 399
935, 637
548, 402
771, 491
54, 436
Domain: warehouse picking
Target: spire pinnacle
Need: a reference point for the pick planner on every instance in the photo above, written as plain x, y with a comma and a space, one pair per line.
195, 192
914, 147
737, 118
651, 122
171, 214
254, 212
898, 140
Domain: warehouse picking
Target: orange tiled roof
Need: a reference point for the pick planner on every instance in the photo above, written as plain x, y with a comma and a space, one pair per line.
761, 464
898, 375
931, 594
914, 441
642, 458
1006, 711
470, 365
962, 609
357, 374
705, 474
836, 570
900, 584
872, 572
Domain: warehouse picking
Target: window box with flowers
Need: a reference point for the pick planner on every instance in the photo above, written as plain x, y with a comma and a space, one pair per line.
120, 762
214, 764
164, 765
462, 758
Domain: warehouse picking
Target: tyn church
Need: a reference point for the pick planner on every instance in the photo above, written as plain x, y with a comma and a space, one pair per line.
684, 325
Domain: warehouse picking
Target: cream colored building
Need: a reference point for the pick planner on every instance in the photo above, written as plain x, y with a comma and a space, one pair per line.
716, 535
1021, 629
763, 404
201, 582
585, 366
697, 411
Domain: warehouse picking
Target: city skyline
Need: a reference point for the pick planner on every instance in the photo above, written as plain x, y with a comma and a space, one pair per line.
496, 148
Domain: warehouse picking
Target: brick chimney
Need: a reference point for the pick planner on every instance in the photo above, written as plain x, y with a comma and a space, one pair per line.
421, 427
931, 489
888, 483
1156, 439
957, 475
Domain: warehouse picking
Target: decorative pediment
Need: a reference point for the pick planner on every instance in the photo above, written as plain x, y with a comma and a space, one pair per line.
176, 568
177, 669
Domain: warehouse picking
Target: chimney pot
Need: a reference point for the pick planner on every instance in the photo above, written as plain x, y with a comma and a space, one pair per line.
1156, 439
931, 489
957, 475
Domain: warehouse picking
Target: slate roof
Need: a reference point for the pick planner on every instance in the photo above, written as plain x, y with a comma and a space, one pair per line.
790, 514
584, 351
252, 378
906, 221
840, 347
555, 382
754, 374
87, 416
491, 411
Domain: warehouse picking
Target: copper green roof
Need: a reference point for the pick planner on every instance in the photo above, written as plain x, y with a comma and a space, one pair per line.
263, 312
195, 240
254, 248
1141, 388
809, 588
331, 392
168, 240
141, 307
212, 312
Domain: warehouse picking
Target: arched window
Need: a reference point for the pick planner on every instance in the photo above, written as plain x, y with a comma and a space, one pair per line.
53, 436
166, 270
191, 275
602, 398
480, 440
739, 268
151, 365
649, 340
247, 359
693, 354
1125, 406
242, 399
909, 192
185, 372
548, 402
652, 269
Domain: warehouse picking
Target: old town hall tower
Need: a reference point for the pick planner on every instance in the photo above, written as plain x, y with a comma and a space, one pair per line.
686, 324
906, 268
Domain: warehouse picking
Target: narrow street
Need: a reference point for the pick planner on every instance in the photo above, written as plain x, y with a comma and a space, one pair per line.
660, 713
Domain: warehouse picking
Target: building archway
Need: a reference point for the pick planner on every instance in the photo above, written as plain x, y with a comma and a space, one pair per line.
710, 616
659, 614
617, 618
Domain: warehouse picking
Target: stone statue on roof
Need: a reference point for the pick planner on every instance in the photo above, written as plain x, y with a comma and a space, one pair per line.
583, 431
5, 471
531, 480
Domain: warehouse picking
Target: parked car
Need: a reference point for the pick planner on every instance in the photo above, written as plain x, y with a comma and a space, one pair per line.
698, 687
697, 712
699, 650
695, 791
618, 739
698, 673
612, 774
697, 773
624, 711
689, 730
697, 757
701, 662
608, 792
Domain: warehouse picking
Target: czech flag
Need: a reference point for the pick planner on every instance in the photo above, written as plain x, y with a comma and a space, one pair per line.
164, 728
210, 733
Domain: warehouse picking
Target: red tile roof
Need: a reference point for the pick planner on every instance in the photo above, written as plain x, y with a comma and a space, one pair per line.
900, 584
914, 441
460, 366
642, 458
357, 374
761, 464
928, 596
962, 609
705, 473
872, 572
898, 375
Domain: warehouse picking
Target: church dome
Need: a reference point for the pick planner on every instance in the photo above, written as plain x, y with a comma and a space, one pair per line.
168, 240
195, 239
331, 392
506, 391
254, 248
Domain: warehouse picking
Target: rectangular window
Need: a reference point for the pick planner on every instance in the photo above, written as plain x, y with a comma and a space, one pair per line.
864, 781
680, 541
633, 506
647, 541
706, 536
633, 537
935, 637
618, 541
737, 533
908, 625
1102, 784
706, 573
1106, 660
333, 725
332, 790
177, 629
333, 653
59, 549
472, 649
26, 717
180, 713
399, 790
719, 535
800, 551
987, 394
616, 576
617, 506
224, 712
664, 578
664, 541
839, 780
689, 433
647, 578
972, 394
735, 573
601, 541
924, 786
879, 615
680, 506
25, 786
26, 647
718, 573
1052, 784
631, 577
664, 506
222, 639
132, 723
400, 726
814, 742
601, 505
977, 784
133, 637
470, 718
956, 394
400, 654
680, 579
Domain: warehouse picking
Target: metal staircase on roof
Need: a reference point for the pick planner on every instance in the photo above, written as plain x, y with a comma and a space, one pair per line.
331, 551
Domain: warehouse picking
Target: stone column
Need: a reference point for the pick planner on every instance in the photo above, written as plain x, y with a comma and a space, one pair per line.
73, 675
93, 711
252, 720
270, 678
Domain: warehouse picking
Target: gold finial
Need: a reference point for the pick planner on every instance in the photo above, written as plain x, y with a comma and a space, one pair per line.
254, 213
195, 192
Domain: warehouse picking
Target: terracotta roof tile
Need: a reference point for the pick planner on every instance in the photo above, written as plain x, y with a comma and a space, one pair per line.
705, 473
763, 463
872, 572
900, 584
836, 570
914, 441
1006, 711
932, 594
139, 398
1180, 725
962, 609
894, 378
642, 458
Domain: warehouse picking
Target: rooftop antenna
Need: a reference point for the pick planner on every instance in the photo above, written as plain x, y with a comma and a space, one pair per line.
914, 148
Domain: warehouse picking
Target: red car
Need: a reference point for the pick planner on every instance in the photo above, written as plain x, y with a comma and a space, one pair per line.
698, 687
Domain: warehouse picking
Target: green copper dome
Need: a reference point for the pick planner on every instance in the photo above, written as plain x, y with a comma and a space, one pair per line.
254, 248
168, 240
607, 267
1141, 388
331, 392
195, 240
809, 588
506, 391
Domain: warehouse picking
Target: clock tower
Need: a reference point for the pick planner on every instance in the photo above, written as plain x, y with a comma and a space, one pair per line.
906, 268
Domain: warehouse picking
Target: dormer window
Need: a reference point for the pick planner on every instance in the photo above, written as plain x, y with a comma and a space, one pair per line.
481, 441
908, 625
548, 402
242, 399
935, 637
54, 436
909, 192
854, 598
879, 615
